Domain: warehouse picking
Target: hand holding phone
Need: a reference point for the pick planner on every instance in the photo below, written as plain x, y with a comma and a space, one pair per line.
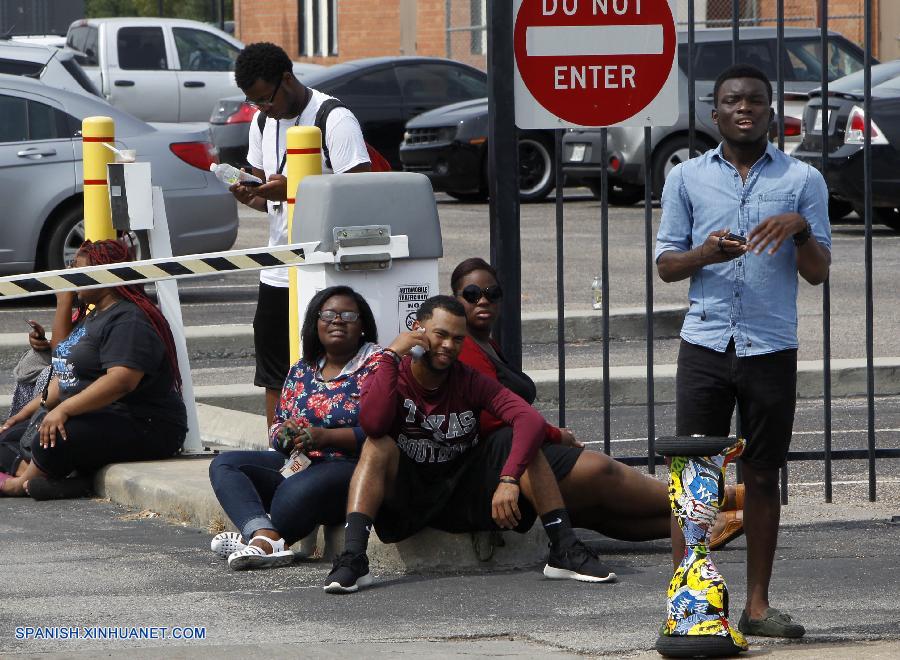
37, 330
736, 238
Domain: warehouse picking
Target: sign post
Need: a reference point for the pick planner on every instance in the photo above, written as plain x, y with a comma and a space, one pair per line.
595, 63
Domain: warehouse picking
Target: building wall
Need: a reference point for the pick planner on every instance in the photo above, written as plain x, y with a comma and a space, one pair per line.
365, 28
808, 10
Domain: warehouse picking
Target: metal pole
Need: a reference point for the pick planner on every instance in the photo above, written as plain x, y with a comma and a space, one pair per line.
503, 168
692, 89
648, 294
222, 15
826, 286
159, 5
735, 29
604, 276
560, 282
448, 21
867, 182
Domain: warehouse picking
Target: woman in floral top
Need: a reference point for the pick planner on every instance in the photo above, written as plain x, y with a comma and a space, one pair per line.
316, 418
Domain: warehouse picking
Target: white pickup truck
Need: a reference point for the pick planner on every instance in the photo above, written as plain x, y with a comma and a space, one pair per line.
159, 69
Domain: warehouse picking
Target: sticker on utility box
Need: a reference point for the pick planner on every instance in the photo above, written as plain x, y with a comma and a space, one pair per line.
409, 299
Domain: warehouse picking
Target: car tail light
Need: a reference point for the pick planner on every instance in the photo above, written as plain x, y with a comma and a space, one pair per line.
232, 112
792, 126
199, 154
856, 128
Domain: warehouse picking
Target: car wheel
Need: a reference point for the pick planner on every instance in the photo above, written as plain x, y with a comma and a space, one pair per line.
838, 209
669, 154
68, 235
537, 169
477, 196
619, 194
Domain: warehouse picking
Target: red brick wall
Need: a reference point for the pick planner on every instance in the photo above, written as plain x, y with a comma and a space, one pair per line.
366, 28
852, 28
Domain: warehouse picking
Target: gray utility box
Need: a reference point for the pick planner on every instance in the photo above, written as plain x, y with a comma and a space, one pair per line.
377, 232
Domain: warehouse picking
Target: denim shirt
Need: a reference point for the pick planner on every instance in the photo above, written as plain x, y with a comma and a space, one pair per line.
753, 298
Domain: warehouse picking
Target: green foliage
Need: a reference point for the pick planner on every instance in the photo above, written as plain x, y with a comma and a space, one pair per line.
198, 10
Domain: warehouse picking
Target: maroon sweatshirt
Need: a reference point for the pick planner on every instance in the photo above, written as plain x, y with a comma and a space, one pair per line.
437, 427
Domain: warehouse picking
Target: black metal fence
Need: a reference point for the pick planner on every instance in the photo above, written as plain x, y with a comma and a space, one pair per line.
505, 248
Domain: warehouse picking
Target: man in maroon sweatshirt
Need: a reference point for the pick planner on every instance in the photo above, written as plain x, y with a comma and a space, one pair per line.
424, 464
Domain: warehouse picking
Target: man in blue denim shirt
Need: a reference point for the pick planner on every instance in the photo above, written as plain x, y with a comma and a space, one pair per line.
742, 221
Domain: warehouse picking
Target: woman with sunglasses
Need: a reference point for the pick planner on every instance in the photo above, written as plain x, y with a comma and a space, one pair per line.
599, 492
315, 425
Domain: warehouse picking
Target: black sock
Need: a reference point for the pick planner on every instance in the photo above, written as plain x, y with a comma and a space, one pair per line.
558, 527
356, 532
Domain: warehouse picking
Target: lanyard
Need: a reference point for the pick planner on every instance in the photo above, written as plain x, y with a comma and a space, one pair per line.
278, 143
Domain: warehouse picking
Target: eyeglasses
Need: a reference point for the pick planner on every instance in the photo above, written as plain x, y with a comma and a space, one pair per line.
330, 316
265, 104
472, 293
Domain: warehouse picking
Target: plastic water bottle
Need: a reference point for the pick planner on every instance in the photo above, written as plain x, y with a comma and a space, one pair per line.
229, 174
597, 293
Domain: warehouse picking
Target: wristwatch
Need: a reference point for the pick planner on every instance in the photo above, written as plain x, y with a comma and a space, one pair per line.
802, 236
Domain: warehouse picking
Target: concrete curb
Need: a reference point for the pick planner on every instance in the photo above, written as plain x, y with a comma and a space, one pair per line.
179, 489
537, 328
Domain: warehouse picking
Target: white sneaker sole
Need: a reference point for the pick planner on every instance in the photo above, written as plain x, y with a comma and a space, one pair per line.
564, 574
336, 588
248, 562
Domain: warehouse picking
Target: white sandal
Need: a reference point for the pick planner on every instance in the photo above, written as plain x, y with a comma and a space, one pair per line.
224, 543
253, 556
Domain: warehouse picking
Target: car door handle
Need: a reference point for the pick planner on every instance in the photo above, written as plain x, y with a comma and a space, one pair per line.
35, 153
124, 83
194, 83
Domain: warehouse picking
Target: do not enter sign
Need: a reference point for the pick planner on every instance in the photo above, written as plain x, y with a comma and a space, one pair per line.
595, 63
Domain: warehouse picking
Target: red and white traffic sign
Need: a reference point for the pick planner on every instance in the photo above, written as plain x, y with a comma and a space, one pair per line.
595, 63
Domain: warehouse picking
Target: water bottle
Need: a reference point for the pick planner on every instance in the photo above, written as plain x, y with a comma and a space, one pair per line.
597, 293
229, 174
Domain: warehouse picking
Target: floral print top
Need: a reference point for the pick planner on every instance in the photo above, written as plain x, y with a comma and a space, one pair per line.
309, 400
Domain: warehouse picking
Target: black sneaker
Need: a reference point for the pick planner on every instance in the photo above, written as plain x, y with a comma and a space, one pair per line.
576, 562
348, 573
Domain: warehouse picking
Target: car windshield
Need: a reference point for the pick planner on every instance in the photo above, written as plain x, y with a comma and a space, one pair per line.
854, 83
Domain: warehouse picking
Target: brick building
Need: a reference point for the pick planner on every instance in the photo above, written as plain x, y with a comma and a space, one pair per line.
329, 31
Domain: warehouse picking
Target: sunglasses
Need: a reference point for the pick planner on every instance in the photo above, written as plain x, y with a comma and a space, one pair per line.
330, 316
265, 104
472, 293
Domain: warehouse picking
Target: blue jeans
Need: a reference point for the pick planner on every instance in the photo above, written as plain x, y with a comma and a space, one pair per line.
249, 485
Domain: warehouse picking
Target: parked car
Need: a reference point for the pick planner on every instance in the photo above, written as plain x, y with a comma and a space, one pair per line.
449, 146
802, 67
158, 69
41, 177
55, 67
843, 169
383, 93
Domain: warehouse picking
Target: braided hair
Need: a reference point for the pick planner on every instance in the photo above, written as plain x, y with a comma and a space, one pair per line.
114, 251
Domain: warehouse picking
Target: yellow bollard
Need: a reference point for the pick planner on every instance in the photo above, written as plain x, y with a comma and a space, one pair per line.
304, 158
97, 216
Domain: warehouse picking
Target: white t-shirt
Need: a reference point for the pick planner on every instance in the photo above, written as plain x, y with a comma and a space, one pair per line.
346, 148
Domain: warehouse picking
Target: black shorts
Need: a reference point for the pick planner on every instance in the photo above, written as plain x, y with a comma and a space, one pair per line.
708, 384
459, 498
271, 337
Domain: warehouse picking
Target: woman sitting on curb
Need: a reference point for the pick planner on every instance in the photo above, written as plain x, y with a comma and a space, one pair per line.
316, 420
600, 493
115, 395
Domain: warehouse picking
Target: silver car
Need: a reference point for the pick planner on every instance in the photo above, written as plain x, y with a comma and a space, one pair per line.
669, 144
54, 66
41, 177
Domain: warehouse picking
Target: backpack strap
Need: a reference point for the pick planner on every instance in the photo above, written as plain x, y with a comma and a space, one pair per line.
261, 121
321, 120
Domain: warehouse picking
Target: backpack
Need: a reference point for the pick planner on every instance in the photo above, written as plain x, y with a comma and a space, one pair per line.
378, 162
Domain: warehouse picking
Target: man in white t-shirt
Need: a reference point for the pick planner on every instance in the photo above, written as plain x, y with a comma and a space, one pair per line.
264, 72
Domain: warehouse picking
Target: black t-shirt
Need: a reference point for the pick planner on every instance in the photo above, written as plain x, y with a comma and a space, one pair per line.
120, 336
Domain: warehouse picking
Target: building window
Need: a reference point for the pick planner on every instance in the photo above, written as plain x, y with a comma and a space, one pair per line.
317, 26
478, 25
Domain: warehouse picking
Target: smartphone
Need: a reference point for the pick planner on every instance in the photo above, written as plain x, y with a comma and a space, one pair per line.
251, 184
737, 238
33, 326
